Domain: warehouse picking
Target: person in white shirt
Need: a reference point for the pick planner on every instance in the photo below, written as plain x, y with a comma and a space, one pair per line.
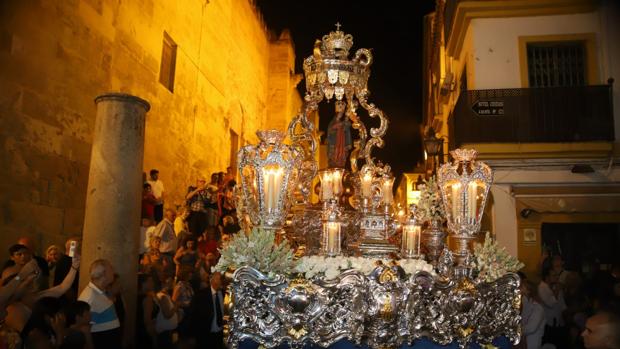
180, 225
105, 330
146, 231
208, 311
552, 297
532, 315
157, 187
165, 230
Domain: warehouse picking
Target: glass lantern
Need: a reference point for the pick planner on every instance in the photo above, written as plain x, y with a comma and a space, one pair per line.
331, 239
412, 230
366, 179
269, 172
386, 190
331, 183
464, 186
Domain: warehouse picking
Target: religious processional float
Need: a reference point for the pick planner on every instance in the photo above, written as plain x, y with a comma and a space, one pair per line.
363, 276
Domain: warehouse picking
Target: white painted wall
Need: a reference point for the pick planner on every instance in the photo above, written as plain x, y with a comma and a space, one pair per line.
504, 205
505, 218
495, 49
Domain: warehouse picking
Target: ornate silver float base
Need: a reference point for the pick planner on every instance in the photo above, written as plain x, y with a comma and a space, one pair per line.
384, 309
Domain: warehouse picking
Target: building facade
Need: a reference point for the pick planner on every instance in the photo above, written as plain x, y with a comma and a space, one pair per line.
529, 84
211, 71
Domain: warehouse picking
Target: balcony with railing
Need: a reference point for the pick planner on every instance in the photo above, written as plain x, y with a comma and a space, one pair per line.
533, 115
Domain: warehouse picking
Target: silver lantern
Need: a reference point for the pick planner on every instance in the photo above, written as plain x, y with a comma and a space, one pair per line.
464, 186
331, 239
269, 172
411, 235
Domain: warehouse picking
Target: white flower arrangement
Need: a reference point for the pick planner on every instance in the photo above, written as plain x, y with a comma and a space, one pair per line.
331, 267
259, 251
492, 262
412, 266
430, 205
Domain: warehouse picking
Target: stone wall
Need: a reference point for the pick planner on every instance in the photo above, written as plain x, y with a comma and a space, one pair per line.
57, 56
282, 101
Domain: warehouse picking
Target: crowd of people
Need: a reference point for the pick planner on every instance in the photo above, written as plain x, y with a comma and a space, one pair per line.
180, 300
570, 309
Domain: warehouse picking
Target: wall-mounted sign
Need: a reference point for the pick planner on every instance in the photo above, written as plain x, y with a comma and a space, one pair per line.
529, 236
494, 107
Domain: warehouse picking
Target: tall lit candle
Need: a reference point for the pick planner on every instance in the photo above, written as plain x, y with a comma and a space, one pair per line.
272, 183
472, 192
267, 189
332, 247
326, 186
419, 238
277, 185
387, 191
337, 182
366, 179
411, 242
456, 201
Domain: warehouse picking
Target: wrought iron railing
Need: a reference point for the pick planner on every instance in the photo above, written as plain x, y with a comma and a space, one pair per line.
533, 115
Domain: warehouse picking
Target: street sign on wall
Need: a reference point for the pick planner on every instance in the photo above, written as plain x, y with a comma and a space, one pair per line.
488, 108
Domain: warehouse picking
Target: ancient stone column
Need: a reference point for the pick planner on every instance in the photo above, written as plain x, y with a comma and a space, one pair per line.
113, 198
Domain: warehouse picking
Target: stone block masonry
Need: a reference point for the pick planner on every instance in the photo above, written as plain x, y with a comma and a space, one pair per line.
57, 56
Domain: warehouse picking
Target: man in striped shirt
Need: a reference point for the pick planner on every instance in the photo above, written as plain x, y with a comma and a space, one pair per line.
105, 330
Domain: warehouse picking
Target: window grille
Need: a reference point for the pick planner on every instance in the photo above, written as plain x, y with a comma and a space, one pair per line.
552, 64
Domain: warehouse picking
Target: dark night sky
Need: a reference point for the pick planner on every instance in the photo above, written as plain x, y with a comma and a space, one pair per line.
393, 30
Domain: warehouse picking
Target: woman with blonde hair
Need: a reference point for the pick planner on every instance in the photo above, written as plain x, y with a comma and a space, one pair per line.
52, 256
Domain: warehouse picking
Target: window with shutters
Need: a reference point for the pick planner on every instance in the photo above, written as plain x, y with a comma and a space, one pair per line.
552, 64
168, 62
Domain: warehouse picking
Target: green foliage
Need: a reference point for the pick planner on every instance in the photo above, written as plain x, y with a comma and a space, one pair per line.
259, 251
430, 206
492, 262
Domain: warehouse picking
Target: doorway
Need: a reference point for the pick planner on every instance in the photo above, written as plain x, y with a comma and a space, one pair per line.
583, 245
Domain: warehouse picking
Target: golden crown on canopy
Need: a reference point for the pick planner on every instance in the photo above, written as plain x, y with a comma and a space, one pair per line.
329, 71
336, 44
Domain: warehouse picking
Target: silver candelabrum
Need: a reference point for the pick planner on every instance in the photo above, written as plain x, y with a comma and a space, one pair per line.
269, 172
464, 185
377, 223
331, 238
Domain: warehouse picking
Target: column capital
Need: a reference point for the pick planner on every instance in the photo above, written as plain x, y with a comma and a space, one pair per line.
123, 97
